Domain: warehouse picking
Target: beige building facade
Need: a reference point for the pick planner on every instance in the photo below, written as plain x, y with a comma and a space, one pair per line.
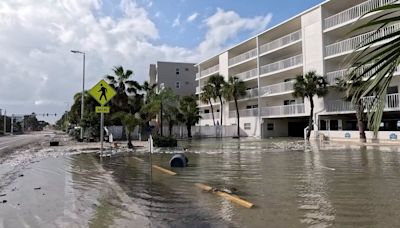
315, 40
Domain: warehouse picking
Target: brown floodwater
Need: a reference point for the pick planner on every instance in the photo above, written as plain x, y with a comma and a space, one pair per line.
291, 185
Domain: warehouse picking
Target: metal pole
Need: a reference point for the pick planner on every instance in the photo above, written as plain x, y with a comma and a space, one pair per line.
12, 124
5, 122
83, 92
101, 132
161, 118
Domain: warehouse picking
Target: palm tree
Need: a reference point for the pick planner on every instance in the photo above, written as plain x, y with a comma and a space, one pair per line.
233, 90
376, 59
129, 121
206, 97
124, 86
350, 89
189, 112
217, 83
308, 86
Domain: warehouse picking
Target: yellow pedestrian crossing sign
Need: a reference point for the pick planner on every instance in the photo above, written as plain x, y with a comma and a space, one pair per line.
102, 92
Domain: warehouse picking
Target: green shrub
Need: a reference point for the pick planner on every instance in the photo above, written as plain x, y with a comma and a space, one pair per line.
164, 141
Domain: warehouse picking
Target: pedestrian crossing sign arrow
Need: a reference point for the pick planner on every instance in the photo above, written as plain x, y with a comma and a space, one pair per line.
102, 92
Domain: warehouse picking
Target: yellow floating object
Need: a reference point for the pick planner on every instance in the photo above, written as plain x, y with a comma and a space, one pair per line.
233, 198
169, 172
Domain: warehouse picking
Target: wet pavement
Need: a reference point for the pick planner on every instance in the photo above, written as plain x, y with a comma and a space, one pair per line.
292, 185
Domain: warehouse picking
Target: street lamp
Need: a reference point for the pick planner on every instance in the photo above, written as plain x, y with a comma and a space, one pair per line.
83, 85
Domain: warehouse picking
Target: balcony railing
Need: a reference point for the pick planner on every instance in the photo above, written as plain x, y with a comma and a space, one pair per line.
354, 12
356, 41
210, 70
243, 57
285, 40
197, 75
207, 116
250, 93
277, 88
284, 110
244, 113
247, 74
392, 102
282, 64
198, 89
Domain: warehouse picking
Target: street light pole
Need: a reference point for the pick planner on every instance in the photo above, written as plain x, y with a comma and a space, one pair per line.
83, 86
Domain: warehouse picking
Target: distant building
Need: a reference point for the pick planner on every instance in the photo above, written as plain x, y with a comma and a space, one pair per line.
180, 77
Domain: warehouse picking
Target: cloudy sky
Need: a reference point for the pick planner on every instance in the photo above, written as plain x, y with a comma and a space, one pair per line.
38, 73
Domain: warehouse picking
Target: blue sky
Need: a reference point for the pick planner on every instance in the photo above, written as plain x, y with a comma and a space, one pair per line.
131, 33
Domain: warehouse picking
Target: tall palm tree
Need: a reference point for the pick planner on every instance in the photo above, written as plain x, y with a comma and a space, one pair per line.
189, 112
382, 53
124, 86
217, 83
207, 96
308, 86
233, 90
350, 91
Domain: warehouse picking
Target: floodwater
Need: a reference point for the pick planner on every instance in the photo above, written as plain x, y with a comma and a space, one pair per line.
291, 185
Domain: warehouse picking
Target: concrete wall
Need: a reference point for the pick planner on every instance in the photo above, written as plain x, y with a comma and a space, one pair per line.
280, 128
170, 73
393, 136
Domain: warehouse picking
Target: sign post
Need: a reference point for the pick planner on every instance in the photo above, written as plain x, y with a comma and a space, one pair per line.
102, 92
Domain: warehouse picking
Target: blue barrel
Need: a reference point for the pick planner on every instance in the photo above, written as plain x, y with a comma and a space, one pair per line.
178, 160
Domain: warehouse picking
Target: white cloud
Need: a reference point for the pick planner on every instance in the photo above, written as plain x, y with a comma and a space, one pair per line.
192, 17
225, 25
39, 74
177, 21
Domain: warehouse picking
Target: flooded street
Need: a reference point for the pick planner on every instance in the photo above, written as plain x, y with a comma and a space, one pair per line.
291, 186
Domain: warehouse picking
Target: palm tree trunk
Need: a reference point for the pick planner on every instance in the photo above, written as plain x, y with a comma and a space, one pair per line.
238, 118
212, 110
221, 109
360, 122
310, 119
170, 126
189, 130
129, 140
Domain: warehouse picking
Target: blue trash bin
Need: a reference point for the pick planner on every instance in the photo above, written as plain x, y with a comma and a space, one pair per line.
178, 160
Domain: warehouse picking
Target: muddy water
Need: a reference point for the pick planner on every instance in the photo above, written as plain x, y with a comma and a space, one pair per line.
291, 185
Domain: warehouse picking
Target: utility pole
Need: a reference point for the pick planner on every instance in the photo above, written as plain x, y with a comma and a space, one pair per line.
12, 124
5, 121
83, 85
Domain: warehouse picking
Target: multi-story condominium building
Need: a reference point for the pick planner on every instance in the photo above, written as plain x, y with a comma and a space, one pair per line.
318, 40
180, 77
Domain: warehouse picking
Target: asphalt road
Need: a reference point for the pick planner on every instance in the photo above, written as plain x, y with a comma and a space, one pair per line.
15, 141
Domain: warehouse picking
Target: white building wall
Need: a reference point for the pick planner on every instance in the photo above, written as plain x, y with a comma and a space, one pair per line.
223, 70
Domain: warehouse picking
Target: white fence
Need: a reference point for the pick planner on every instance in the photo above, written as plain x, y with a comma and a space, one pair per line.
354, 12
210, 70
392, 102
243, 57
282, 64
244, 113
277, 88
284, 110
247, 74
280, 42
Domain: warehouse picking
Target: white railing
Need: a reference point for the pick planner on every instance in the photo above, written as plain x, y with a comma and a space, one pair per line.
210, 70
354, 12
280, 42
243, 57
250, 93
392, 101
206, 116
197, 75
356, 41
284, 110
277, 88
198, 89
282, 64
247, 74
244, 113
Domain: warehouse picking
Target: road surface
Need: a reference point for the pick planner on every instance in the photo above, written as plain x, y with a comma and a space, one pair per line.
16, 141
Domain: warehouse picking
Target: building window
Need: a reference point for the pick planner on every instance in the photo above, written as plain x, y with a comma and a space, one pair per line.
186, 69
270, 126
289, 102
206, 111
177, 71
178, 85
247, 126
186, 83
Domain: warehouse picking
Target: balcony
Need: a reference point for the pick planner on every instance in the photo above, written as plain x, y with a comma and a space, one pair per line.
243, 57
197, 76
207, 116
198, 90
354, 12
353, 43
244, 113
284, 87
209, 71
392, 102
284, 110
250, 93
282, 64
281, 42
247, 74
